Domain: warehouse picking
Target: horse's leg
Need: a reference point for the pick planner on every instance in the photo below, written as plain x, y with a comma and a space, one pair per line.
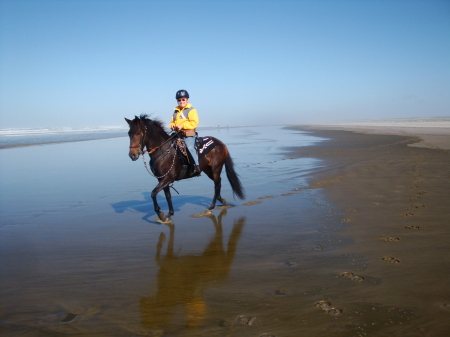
169, 201
161, 185
219, 197
214, 175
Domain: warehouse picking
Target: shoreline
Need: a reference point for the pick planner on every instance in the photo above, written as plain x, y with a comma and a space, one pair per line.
3, 147
431, 134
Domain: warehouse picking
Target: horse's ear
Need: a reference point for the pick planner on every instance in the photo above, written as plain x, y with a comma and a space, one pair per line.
138, 121
128, 121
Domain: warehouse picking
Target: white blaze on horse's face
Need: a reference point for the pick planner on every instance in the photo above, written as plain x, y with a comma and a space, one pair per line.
135, 138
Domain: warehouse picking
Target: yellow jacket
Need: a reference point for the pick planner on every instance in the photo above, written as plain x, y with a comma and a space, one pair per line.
187, 117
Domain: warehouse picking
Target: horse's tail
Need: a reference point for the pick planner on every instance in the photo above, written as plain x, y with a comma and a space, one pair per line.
233, 178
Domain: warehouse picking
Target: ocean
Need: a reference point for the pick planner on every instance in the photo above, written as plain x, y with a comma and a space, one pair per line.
36, 136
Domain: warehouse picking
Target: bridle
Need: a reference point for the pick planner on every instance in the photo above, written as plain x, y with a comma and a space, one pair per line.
141, 142
153, 149
150, 151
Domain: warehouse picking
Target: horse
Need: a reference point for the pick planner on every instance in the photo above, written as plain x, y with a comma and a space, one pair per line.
166, 164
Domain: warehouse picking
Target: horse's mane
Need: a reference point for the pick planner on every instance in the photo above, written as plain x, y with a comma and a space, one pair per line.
154, 126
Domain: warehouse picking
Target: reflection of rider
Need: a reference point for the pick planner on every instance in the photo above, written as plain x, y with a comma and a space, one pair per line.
183, 279
185, 119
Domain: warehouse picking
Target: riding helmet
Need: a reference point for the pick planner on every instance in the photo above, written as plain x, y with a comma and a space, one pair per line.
182, 93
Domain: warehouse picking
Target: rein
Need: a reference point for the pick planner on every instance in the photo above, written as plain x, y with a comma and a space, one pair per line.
165, 153
150, 151
141, 145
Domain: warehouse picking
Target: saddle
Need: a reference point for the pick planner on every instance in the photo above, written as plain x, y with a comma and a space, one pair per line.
202, 146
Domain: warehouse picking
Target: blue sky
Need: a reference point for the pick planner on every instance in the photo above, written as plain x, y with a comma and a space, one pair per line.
91, 63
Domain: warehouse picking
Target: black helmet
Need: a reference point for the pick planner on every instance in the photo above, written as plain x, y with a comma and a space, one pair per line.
182, 93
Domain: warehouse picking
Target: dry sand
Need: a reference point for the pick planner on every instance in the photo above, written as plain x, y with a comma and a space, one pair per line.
433, 133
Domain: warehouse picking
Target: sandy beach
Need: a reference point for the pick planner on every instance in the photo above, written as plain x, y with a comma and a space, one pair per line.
345, 234
392, 194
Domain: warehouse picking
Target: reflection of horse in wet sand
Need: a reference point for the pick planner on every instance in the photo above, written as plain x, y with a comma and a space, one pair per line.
182, 280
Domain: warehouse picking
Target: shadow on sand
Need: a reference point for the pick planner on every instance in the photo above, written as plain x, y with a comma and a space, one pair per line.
146, 205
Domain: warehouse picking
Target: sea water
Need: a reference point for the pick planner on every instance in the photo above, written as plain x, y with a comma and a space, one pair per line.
33, 136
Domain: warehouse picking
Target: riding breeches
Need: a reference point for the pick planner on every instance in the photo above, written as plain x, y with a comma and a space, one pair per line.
190, 142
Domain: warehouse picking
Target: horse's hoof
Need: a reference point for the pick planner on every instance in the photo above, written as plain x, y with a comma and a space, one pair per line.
163, 218
208, 212
223, 201
166, 221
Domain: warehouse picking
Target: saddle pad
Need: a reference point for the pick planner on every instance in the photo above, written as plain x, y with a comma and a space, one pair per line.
204, 145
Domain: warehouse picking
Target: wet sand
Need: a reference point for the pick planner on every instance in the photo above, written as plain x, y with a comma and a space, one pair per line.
392, 193
352, 243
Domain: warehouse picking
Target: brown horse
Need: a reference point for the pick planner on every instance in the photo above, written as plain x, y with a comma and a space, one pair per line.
166, 164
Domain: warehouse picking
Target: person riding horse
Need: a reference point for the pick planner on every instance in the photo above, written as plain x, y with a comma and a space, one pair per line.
149, 136
185, 120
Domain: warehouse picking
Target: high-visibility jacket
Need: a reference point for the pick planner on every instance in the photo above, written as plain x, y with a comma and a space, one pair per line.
187, 117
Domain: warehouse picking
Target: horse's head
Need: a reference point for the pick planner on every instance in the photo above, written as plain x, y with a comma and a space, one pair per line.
136, 134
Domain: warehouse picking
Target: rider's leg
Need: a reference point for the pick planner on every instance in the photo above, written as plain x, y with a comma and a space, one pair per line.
190, 142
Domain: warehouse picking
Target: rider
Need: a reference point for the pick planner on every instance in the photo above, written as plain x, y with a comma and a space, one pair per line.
185, 119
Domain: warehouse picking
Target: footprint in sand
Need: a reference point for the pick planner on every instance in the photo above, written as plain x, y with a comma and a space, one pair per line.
266, 197
246, 320
323, 305
376, 203
346, 220
334, 312
352, 276
326, 306
290, 263
69, 318
281, 292
412, 227
407, 213
250, 203
445, 306
389, 239
391, 259
286, 194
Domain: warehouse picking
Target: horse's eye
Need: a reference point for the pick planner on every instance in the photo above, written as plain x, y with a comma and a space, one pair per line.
137, 133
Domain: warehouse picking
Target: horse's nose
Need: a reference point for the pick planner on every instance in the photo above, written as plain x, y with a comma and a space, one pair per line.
133, 156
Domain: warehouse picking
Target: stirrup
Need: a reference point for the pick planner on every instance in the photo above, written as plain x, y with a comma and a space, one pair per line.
196, 171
